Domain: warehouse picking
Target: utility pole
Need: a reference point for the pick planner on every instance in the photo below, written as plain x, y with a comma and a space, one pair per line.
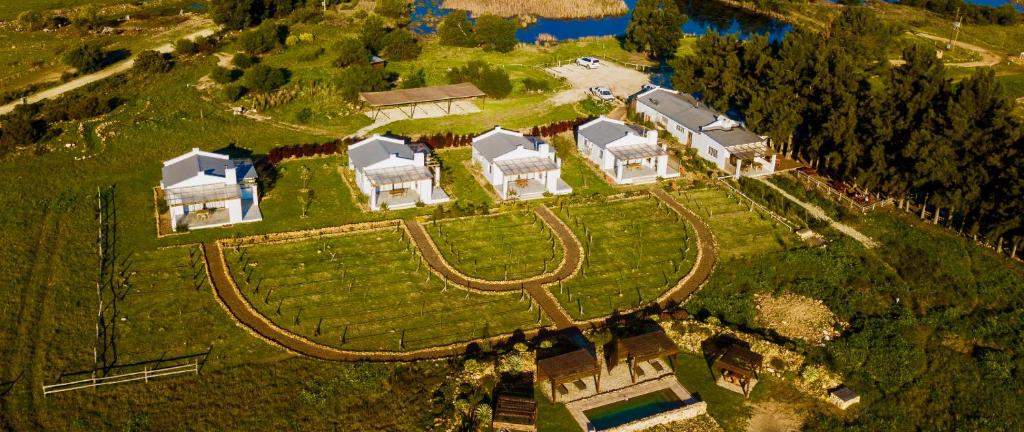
324, 4
957, 24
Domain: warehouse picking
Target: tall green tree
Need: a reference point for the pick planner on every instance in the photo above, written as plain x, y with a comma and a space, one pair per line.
456, 30
655, 28
495, 33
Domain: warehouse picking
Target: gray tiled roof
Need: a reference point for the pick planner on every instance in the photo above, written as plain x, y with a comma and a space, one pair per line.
191, 166
734, 137
377, 150
498, 144
682, 108
604, 132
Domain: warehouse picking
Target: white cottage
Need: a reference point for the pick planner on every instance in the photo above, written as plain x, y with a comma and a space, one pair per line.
518, 166
395, 174
204, 190
716, 137
628, 154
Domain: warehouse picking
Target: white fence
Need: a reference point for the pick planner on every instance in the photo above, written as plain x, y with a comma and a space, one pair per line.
722, 182
145, 375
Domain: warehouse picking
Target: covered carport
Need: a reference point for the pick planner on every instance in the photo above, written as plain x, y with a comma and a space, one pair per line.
435, 98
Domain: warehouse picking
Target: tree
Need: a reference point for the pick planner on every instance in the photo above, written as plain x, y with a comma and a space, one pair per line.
151, 62
351, 51
87, 57
361, 78
372, 33
400, 44
21, 128
456, 30
263, 38
263, 78
494, 82
394, 9
234, 92
416, 78
495, 33
222, 75
243, 61
237, 14
185, 47
655, 28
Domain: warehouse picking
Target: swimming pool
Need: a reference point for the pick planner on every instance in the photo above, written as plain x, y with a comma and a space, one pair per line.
633, 409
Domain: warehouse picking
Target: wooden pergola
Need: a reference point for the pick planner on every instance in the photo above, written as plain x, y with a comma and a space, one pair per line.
436, 95
641, 348
515, 413
737, 365
569, 367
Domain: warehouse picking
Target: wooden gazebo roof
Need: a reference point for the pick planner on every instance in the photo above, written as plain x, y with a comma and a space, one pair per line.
515, 411
412, 96
740, 359
647, 346
568, 367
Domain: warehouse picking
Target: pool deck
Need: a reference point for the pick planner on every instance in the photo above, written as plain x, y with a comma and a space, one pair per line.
691, 406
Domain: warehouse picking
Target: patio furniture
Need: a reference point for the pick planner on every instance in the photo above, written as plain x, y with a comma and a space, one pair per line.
657, 366
580, 385
563, 390
639, 371
522, 183
397, 192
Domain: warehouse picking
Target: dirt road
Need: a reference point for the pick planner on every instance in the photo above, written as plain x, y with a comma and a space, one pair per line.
820, 214
988, 58
84, 80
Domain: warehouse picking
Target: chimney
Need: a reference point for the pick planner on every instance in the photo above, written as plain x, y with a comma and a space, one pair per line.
418, 157
652, 137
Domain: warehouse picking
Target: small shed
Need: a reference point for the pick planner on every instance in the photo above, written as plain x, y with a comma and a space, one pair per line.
736, 368
647, 347
377, 62
843, 397
571, 367
515, 414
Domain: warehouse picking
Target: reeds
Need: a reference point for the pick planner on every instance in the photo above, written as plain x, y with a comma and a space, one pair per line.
544, 8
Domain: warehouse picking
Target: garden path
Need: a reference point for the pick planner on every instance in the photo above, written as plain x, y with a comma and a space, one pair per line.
707, 255
820, 214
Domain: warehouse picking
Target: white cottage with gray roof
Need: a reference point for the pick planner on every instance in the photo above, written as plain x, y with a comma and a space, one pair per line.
518, 166
394, 174
716, 137
626, 153
204, 190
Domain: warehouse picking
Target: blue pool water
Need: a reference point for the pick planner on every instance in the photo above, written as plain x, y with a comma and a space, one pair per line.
703, 15
630, 410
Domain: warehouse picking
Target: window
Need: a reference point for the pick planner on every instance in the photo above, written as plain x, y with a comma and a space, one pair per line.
713, 152
679, 128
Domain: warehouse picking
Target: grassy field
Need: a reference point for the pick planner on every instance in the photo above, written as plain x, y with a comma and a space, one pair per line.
636, 250
456, 176
368, 291
513, 245
739, 231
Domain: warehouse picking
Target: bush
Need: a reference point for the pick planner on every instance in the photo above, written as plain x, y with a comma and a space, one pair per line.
263, 38
235, 92
304, 115
492, 81
401, 44
77, 106
243, 61
31, 20
222, 75
86, 58
395, 9
152, 62
351, 52
185, 47
310, 54
415, 79
20, 129
361, 78
456, 30
307, 15
237, 14
372, 33
495, 33
207, 45
263, 78
535, 85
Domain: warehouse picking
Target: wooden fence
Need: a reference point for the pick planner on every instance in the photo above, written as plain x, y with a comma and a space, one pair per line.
830, 191
778, 218
145, 375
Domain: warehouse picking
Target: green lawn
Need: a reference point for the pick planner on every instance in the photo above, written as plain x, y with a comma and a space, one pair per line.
456, 177
738, 230
369, 291
513, 245
636, 250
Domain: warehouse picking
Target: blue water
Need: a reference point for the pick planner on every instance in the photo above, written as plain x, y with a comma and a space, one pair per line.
630, 410
703, 15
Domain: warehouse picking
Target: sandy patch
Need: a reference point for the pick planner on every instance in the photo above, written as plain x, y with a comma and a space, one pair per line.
704, 423
772, 416
796, 317
622, 81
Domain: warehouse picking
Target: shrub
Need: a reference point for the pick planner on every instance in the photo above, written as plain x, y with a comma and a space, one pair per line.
291, 40
222, 75
372, 33
243, 61
263, 78
237, 14
234, 92
307, 15
152, 62
361, 78
415, 79
492, 81
20, 129
351, 52
263, 38
456, 30
495, 33
185, 47
310, 54
395, 9
87, 57
304, 115
536, 85
207, 45
77, 106
31, 20
401, 44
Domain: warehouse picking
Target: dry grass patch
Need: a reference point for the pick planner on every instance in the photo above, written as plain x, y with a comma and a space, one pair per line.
774, 416
544, 8
796, 317
704, 423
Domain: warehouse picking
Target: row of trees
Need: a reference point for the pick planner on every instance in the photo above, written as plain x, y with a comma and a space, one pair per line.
978, 14
492, 33
912, 134
655, 28
240, 14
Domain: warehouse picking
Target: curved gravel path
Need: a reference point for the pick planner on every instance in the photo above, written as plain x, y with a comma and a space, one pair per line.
707, 253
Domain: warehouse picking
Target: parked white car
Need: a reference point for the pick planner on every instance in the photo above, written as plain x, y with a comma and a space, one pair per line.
602, 93
588, 62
